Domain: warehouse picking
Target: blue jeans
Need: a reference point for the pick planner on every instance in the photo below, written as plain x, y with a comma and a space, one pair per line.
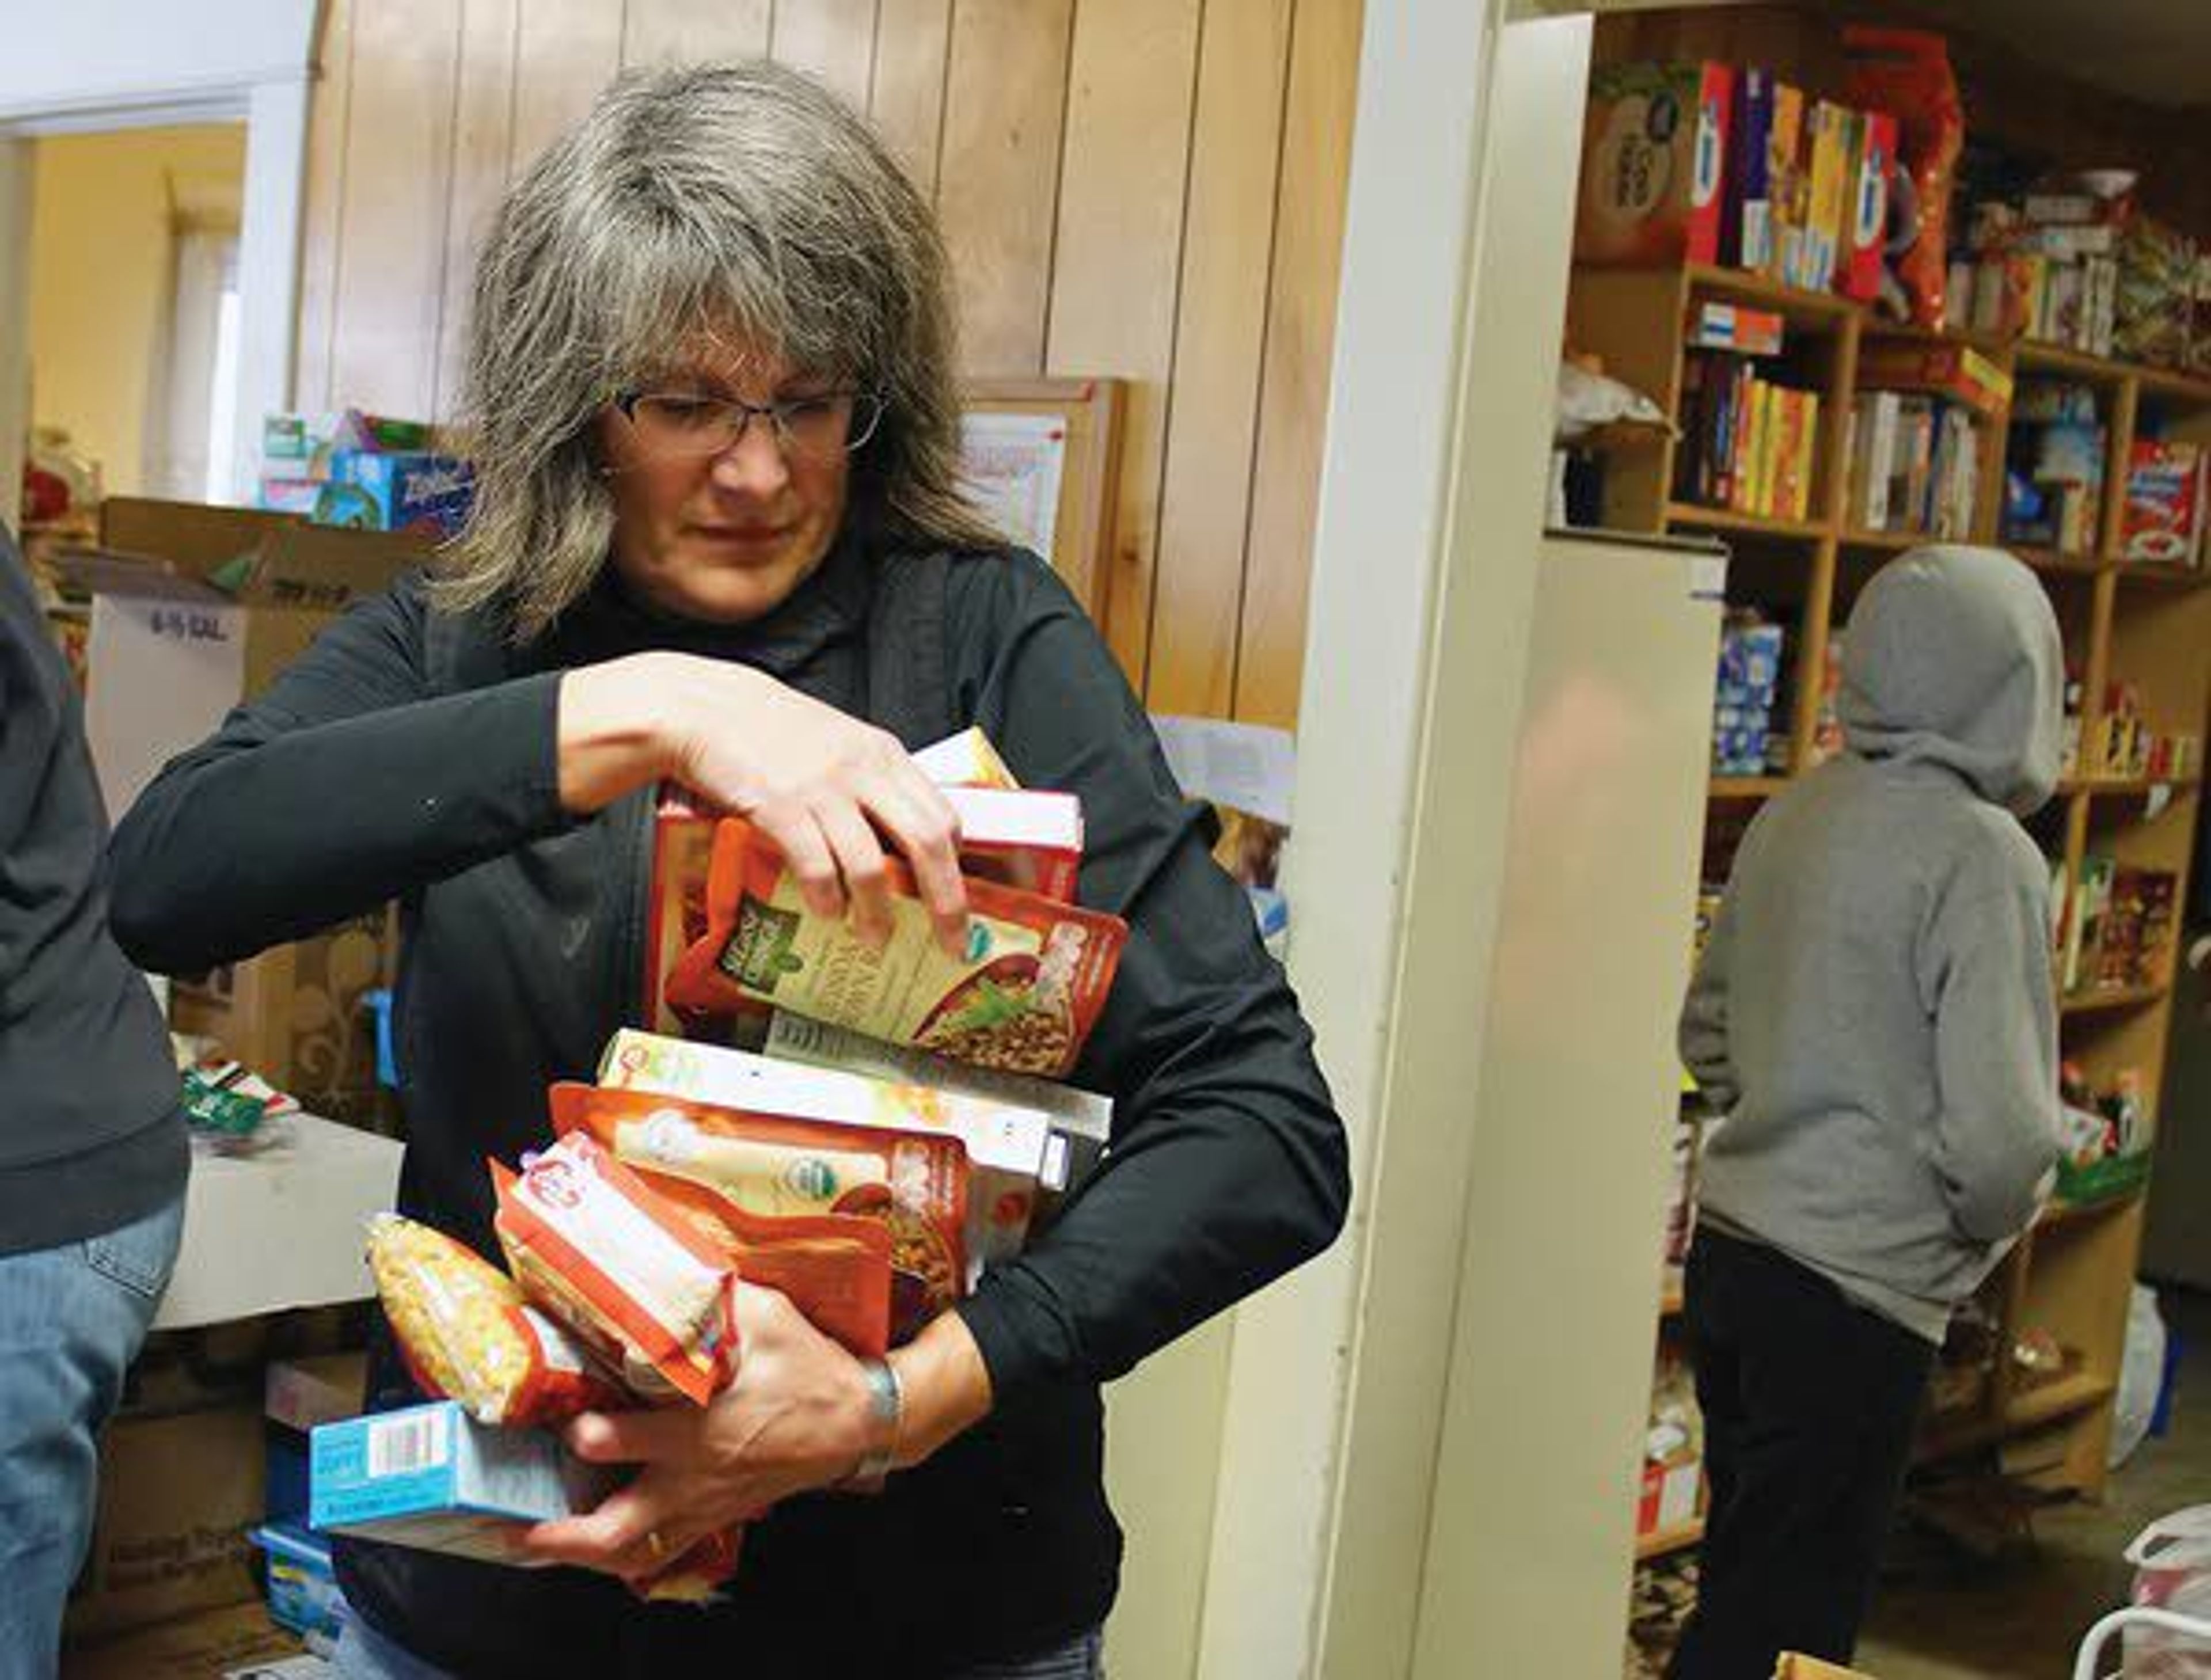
72, 1320
364, 1655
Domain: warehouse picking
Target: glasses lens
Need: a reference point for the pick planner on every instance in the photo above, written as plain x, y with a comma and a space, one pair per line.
676, 424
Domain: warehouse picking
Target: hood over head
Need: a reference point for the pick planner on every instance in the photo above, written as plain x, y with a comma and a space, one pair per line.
1953, 656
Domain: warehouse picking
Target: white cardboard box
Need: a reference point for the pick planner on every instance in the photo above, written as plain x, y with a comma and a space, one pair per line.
284, 1228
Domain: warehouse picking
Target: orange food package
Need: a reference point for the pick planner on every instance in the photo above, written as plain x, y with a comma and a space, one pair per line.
594, 1246
467, 1334
1907, 74
697, 1577
784, 1192
1022, 997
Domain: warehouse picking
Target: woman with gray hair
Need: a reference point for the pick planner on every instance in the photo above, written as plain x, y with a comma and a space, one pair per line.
718, 541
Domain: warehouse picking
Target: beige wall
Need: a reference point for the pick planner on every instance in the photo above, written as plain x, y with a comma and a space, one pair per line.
100, 274
1146, 189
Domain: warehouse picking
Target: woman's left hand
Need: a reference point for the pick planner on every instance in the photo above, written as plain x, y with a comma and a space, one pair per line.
797, 1417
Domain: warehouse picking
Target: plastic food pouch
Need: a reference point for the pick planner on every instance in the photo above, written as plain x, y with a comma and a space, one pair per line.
762, 1179
593, 1245
1023, 996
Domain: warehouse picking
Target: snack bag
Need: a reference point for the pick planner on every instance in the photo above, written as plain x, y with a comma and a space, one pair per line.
758, 1176
1906, 73
467, 1334
1023, 997
594, 1245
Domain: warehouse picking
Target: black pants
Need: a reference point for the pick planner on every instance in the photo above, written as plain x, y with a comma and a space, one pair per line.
1809, 1403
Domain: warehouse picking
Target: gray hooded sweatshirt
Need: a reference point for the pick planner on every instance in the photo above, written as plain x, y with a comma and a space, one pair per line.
1874, 1014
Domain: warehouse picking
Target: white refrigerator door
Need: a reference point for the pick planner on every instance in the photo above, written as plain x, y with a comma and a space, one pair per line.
1574, 1110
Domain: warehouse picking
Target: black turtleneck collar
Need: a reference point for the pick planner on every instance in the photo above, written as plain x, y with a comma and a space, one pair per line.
829, 607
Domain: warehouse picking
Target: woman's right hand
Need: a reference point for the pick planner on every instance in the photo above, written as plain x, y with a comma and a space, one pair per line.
821, 785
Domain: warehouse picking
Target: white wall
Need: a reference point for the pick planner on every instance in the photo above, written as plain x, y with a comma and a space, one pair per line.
96, 55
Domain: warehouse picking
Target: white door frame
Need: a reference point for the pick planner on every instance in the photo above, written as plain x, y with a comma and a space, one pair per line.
106, 64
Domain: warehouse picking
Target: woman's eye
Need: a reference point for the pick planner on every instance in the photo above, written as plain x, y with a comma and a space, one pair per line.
684, 411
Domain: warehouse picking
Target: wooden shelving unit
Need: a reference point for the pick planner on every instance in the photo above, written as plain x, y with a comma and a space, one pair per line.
1660, 1542
2123, 621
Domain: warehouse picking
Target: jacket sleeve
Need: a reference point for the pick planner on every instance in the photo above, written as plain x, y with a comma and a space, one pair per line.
1228, 1164
30, 727
341, 786
1702, 1036
1985, 972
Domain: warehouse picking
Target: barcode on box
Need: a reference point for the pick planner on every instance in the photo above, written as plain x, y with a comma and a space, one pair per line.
401, 1446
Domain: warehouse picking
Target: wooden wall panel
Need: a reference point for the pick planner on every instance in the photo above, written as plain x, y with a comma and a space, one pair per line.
1300, 341
1116, 187
833, 39
483, 151
998, 178
691, 31
390, 275
1220, 337
1115, 270
323, 220
913, 44
565, 51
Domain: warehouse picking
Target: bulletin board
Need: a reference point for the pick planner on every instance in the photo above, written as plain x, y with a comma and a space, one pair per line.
1043, 458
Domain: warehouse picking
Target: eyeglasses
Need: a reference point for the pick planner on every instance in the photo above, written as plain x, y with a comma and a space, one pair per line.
813, 427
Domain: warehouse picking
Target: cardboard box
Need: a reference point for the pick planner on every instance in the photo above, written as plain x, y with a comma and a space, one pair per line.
279, 1230
303, 1587
421, 493
322, 1388
195, 609
299, 1015
177, 1495
1082, 1118
432, 1477
1654, 171
238, 1643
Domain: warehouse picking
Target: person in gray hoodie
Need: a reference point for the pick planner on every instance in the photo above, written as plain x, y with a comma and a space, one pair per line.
1873, 1017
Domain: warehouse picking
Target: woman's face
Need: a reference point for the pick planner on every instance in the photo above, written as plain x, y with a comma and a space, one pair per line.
717, 529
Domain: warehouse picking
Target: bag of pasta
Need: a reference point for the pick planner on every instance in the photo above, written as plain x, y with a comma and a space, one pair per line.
467, 1334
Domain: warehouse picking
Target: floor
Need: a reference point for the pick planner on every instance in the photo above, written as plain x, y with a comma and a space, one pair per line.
1942, 1615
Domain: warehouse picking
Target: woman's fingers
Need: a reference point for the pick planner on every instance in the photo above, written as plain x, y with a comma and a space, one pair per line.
796, 829
859, 862
922, 827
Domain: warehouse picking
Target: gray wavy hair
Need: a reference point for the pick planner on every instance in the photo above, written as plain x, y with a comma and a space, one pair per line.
698, 204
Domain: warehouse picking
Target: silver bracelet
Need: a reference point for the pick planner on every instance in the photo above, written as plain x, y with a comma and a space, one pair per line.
886, 1411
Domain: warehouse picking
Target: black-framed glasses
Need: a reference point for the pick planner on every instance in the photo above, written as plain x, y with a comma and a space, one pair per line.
819, 426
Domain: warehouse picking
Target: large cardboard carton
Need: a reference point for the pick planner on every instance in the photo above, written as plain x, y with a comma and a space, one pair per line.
238, 1643
177, 1495
195, 609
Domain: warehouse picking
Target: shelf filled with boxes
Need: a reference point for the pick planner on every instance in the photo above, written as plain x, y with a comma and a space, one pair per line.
2116, 535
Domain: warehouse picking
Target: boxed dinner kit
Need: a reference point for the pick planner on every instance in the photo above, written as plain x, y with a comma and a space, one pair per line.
431, 1477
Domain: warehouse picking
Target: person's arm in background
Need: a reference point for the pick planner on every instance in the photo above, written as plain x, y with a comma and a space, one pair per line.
1985, 973
30, 729
1702, 1035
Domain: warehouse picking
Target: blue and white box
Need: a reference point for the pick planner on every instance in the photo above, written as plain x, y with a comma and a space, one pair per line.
431, 1477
